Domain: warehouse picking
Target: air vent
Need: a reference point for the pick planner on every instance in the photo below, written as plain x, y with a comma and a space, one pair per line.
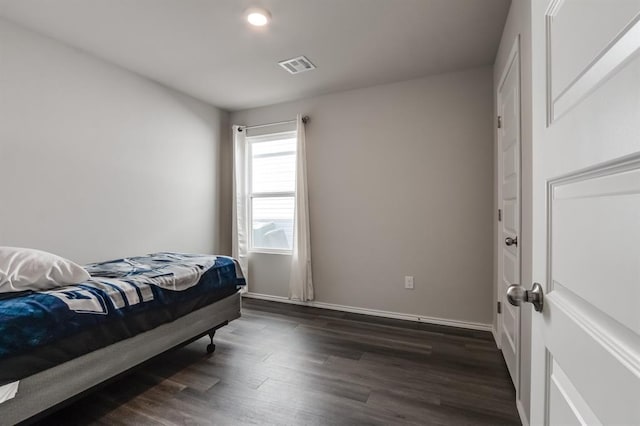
297, 65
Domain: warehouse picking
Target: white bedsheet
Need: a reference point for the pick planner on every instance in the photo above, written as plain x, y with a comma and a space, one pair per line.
8, 392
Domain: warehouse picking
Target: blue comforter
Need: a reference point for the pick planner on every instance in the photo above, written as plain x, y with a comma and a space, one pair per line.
124, 297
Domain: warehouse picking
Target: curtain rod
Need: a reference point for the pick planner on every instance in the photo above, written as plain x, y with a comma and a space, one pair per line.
305, 120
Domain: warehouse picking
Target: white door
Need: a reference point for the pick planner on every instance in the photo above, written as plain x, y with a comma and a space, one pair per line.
508, 102
586, 218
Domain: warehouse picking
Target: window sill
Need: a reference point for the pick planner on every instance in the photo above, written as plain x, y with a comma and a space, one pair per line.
267, 251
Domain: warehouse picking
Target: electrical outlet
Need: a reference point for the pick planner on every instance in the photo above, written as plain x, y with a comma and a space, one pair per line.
408, 282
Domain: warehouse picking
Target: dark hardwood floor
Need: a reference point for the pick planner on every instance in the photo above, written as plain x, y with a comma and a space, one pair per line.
292, 365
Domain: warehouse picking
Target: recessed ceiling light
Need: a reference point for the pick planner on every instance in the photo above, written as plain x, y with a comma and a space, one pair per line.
258, 17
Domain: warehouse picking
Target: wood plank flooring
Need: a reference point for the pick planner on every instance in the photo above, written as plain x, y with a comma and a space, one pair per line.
293, 365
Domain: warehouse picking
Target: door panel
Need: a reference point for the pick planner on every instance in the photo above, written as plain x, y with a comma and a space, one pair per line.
609, 43
574, 44
590, 360
510, 188
511, 273
511, 216
608, 209
566, 405
510, 332
586, 217
510, 158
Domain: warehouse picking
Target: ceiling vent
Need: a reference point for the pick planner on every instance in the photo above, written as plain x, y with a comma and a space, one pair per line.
297, 65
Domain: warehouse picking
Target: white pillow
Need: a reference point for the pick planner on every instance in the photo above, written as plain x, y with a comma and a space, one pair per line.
28, 269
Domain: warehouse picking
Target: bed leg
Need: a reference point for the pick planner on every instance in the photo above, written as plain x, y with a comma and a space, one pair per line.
211, 347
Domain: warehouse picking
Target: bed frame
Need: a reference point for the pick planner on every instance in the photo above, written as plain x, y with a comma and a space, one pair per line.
50, 389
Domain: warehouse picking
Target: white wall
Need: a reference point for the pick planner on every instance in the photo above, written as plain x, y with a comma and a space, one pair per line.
400, 183
518, 24
97, 162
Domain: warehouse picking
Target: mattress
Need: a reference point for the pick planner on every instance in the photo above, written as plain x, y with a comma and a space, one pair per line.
123, 298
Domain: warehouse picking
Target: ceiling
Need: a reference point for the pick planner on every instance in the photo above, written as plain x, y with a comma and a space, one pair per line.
206, 49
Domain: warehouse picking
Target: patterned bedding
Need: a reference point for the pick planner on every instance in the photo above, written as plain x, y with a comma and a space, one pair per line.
123, 298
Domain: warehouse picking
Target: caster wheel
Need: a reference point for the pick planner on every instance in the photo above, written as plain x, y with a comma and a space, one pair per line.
211, 348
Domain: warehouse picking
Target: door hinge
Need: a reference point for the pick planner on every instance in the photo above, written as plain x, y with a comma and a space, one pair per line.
499, 307
499, 122
499, 215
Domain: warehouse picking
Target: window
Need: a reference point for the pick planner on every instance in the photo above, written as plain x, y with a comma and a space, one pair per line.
272, 186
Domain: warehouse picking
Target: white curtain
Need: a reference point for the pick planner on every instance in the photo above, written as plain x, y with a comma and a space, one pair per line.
240, 235
300, 281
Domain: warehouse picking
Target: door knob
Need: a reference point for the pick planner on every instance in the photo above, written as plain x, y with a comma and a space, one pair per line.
516, 294
511, 241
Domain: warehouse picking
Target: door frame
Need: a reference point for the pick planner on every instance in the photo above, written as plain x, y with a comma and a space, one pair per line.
514, 55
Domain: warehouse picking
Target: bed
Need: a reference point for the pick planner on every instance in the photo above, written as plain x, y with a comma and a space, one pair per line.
58, 344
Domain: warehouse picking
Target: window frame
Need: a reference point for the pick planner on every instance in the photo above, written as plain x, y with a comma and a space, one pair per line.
250, 140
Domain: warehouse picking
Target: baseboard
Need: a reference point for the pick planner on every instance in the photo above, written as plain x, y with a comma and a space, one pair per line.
494, 331
523, 418
375, 312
